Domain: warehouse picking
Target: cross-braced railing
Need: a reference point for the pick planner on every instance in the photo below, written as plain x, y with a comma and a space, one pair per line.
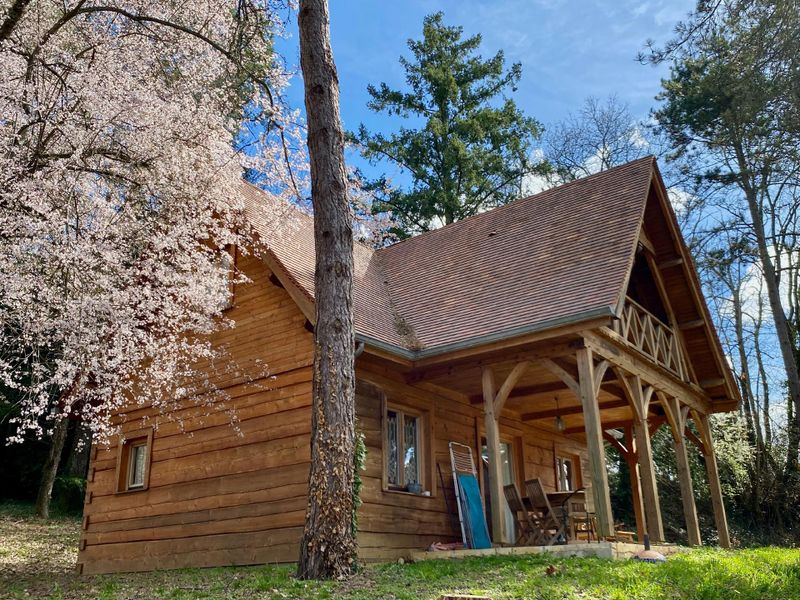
652, 337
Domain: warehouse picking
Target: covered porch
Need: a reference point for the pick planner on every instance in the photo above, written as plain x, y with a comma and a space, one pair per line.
615, 384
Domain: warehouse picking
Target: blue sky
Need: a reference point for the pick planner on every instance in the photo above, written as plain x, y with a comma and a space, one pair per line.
568, 49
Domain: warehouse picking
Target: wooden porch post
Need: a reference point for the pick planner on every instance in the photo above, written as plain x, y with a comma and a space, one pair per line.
639, 399
594, 443
632, 461
720, 518
495, 482
677, 420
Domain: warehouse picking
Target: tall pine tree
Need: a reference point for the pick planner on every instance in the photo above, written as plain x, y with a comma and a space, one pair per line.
472, 148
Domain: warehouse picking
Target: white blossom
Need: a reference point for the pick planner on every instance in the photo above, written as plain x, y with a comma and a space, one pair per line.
125, 127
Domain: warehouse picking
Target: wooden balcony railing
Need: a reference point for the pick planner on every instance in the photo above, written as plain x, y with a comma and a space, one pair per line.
648, 334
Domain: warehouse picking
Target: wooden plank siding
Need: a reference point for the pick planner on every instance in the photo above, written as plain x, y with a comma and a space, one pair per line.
393, 523
217, 495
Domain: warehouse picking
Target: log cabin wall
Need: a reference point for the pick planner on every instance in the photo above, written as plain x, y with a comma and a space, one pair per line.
215, 497
390, 522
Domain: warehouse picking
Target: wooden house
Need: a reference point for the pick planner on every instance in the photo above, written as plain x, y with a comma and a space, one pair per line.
534, 333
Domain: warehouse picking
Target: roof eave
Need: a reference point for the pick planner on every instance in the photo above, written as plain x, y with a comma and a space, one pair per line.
603, 312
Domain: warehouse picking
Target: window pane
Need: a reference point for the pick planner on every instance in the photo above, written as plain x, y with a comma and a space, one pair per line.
565, 474
410, 462
138, 455
393, 473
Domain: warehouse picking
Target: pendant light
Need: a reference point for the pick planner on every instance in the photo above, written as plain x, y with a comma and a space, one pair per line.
560, 425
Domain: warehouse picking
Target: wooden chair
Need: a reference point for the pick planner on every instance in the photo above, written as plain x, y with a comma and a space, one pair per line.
582, 519
529, 532
551, 523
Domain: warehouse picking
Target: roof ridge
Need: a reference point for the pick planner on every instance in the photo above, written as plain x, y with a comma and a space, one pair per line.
582, 180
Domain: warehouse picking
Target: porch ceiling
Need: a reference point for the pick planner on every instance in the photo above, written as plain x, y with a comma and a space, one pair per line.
539, 395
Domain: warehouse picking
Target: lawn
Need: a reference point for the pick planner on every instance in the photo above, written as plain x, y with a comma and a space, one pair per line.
37, 558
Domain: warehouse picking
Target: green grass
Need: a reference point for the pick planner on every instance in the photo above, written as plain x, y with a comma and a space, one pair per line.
37, 559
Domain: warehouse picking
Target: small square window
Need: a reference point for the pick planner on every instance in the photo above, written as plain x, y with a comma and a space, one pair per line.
133, 461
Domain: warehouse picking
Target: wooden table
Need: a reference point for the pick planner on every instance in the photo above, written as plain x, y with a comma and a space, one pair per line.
565, 505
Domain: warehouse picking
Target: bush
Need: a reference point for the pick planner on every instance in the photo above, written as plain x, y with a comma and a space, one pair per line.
68, 495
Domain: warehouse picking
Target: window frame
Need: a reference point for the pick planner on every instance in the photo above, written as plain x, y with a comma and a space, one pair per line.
576, 470
125, 465
424, 450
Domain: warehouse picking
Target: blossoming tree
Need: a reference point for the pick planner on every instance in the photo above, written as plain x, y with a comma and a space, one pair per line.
120, 154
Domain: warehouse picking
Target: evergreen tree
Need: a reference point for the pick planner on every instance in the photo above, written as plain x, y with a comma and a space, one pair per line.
473, 147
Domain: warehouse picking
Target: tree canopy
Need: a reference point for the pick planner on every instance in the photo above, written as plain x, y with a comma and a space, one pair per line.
468, 147
119, 172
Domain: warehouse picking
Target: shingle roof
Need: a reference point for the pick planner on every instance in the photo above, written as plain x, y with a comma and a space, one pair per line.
559, 256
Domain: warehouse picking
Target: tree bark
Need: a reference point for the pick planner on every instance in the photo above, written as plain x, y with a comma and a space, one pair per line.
50, 469
78, 463
782, 325
328, 546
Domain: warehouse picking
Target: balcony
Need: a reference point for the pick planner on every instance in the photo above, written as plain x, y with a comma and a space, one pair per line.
652, 337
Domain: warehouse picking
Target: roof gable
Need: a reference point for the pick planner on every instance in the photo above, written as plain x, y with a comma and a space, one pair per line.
673, 265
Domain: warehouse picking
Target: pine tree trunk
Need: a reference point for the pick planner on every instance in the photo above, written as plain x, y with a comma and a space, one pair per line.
50, 469
328, 546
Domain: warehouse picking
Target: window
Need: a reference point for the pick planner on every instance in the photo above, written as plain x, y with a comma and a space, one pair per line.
138, 454
565, 472
133, 460
404, 450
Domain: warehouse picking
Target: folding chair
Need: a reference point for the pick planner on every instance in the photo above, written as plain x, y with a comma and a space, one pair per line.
550, 520
526, 525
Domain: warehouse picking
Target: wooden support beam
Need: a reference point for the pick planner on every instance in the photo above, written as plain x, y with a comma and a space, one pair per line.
667, 264
457, 366
646, 243
508, 385
619, 446
714, 382
495, 482
720, 518
569, 410
528, 390
594, 443
655, 424
606, 425
695, 440
636, 487
600, 372
563, 374
691, 324
610, 346
677, 420
639, 397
